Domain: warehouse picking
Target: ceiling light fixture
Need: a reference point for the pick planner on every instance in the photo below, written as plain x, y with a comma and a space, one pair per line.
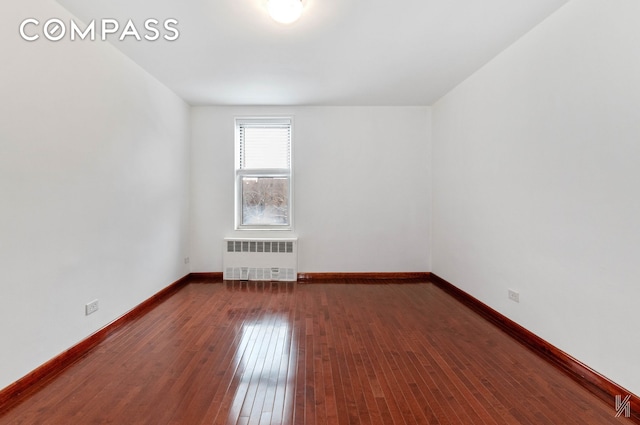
285, 11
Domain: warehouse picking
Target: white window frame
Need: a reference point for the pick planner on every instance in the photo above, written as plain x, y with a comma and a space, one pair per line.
239, 174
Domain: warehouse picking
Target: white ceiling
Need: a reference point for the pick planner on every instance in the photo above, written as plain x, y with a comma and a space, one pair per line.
341, 52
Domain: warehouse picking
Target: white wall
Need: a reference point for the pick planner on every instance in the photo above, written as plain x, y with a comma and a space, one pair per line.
536, 184
93, 188
362, 186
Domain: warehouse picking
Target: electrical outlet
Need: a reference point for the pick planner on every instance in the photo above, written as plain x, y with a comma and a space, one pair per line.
186, 260
91, 307
514, 296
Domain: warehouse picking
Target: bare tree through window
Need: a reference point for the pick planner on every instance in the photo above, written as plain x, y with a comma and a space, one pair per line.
265, 200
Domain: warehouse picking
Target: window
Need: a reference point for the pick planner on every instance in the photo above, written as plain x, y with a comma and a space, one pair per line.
263, 173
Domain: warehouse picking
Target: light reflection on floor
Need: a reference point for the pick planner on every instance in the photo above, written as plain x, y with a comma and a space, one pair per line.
265, 362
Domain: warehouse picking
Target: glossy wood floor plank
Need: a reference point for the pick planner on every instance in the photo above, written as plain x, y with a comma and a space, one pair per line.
285, 353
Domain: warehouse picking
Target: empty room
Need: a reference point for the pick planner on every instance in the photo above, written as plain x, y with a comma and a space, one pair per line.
319, 212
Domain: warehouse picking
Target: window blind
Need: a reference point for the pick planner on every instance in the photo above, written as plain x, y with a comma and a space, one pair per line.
265, 146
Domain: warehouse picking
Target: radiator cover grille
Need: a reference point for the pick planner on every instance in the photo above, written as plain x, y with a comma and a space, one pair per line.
271, 259
275, 246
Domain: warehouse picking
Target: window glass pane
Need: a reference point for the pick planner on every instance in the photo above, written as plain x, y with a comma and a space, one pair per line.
265, 200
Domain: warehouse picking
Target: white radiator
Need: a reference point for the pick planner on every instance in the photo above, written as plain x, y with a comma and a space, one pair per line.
260, 259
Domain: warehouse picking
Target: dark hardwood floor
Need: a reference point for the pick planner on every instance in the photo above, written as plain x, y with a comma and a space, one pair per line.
276, 353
